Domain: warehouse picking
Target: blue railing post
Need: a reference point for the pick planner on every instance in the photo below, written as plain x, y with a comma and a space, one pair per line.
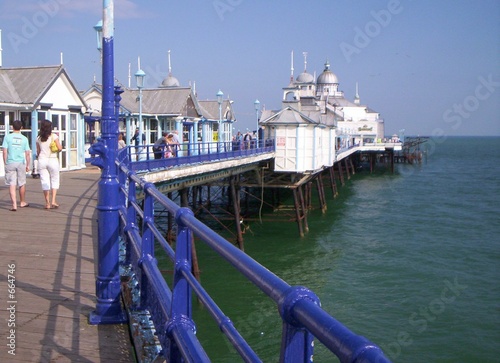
147, 242
296, 340
181, 292
108, 308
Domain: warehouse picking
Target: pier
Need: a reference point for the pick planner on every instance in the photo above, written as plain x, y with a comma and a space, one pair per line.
55, 266
53, 255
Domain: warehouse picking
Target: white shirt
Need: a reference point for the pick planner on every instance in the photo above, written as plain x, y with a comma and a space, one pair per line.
45, 147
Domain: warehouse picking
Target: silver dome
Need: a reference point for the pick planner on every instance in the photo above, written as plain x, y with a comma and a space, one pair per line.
170, 81
327, 77
305, 77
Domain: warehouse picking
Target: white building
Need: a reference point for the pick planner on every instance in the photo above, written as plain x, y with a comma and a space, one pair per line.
316, 122
165, 108
31, 94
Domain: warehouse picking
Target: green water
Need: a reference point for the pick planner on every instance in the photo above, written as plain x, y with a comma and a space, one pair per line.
409, 261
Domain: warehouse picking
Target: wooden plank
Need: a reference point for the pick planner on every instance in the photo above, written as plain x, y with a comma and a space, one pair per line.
54, 252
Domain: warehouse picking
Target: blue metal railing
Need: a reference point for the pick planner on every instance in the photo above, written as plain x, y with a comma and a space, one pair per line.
190, 153
170, 306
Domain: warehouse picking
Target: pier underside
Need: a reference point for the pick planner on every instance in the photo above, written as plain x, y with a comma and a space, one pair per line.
232, 198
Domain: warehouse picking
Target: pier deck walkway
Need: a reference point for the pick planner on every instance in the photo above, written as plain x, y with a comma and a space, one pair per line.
54, 252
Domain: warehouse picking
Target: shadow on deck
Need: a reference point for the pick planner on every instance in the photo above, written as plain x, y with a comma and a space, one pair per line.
53, 252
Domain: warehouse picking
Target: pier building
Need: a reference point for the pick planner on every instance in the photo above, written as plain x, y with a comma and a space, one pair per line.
317, 121
31, 94
318, 138
165, 108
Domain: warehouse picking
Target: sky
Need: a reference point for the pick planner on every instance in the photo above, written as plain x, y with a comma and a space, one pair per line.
429, 67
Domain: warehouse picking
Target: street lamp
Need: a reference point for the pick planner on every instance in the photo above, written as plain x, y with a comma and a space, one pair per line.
257, 109
108, 286
219, 101
139, 79
98, 30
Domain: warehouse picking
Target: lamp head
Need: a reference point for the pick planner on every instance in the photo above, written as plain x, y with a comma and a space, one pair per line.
219, 96
98, 29
139, 78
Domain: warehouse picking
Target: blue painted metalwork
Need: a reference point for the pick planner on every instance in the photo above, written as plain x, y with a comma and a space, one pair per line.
200, 153
170, 307
108, 308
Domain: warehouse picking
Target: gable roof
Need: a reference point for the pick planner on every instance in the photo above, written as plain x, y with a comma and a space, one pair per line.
211, 109
28, 85
286, 116
178, 101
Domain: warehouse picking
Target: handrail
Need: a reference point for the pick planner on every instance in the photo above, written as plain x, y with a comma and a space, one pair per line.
170, 307
189, 153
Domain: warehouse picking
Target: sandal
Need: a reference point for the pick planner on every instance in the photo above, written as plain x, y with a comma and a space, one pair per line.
13, 209
55, 206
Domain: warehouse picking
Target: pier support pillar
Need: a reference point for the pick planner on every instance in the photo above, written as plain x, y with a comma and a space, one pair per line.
298, 213
391, 157
347, 169
341, 173
304, 210
237, 216
321, 193
333, 182
353, 169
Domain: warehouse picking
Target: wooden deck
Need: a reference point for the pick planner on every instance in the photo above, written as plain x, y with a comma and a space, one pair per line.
54, 256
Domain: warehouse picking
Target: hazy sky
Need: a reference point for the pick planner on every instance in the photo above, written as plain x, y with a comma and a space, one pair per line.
429, 67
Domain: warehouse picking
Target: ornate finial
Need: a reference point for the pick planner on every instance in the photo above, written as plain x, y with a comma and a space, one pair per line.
327, 64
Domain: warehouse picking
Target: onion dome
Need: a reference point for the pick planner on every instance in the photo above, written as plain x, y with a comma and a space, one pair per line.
327, 77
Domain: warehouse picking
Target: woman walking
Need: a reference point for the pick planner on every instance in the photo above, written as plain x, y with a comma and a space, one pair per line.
48, 163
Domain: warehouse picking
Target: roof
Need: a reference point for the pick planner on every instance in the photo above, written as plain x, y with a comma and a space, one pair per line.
162, 101
27, 85
286, 116
211, 108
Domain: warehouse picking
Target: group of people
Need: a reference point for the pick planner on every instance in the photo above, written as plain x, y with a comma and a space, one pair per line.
166, 145
243, 141
17, 159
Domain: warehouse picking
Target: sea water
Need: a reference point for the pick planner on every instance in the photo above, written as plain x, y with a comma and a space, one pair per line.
409, 260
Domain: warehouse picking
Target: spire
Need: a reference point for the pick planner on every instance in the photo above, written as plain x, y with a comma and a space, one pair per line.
129, 75
305, 61
291, 69
356, 97
169, 64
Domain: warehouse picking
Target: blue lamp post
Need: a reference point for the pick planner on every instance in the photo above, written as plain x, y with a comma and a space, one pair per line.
108, 307
219, 101
257, 109
139, 78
